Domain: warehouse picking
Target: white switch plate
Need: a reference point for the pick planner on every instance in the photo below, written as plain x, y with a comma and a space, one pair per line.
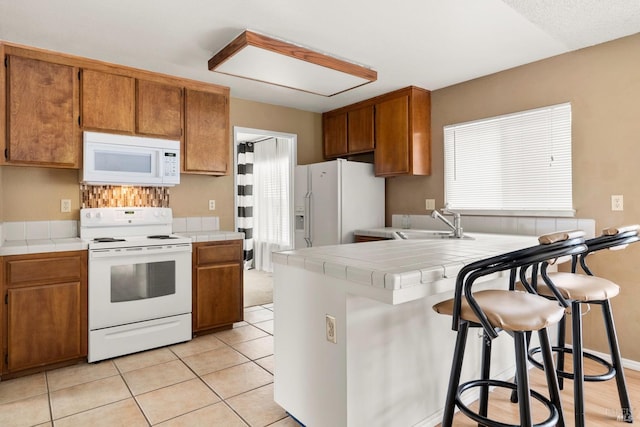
430, 204
65, 205
617, 202
212, 205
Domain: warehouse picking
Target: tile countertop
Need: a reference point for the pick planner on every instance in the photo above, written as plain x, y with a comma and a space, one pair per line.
211, 235
398, 270
32, 246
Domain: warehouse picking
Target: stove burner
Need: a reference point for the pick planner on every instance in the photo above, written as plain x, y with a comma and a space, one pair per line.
161, 236
107, 240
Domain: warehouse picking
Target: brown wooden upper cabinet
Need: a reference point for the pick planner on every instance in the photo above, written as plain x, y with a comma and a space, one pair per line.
158, 109
334, 128
42, 113
118, 103
396, 126
206, 141
107, 101
403, 133
348, 132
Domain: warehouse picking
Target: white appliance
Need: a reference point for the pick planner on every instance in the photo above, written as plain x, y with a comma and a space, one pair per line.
139, 280
130, 160
333, 199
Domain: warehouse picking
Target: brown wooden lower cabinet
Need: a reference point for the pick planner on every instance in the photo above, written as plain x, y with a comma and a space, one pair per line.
359, 238
45, 310
217, 284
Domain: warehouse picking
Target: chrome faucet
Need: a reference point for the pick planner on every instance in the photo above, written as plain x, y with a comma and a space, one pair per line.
456, 227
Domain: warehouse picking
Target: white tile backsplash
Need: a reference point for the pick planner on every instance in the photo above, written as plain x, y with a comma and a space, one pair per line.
14, 231
545, 226
501, 225
527, 226
63, 229
589, 227
179, 225
210, 223
194, 223
36, 230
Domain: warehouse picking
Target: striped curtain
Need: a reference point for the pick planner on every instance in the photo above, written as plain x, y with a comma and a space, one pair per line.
245, 198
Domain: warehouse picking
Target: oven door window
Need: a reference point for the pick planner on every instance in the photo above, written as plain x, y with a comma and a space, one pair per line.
142, 281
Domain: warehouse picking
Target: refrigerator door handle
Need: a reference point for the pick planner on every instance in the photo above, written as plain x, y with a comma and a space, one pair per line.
307, 219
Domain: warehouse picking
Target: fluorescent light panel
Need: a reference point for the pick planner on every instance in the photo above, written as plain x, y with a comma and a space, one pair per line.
258, 57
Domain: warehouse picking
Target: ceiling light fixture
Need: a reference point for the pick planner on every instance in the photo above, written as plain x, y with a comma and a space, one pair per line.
261, 58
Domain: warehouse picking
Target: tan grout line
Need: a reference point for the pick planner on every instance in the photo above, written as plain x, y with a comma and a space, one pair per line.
46, 380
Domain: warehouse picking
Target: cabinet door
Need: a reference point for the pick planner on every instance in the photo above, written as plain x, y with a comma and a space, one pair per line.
42, 114
392, 137
107, 101
158, 109
45, 324
360, 130
218, 295
335, 135
206, 143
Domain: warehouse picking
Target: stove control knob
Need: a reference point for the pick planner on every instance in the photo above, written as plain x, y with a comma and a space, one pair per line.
164, 213
156, 213
98, 215
88, 215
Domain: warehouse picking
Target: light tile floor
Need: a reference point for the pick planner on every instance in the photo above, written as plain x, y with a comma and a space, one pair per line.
222, 379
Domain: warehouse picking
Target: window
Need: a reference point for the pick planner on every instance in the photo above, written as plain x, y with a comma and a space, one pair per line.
516, 164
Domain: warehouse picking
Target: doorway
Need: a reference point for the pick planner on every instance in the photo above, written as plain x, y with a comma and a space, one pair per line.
263, 178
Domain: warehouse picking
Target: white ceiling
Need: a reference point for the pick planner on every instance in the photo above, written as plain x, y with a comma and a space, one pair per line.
427, 43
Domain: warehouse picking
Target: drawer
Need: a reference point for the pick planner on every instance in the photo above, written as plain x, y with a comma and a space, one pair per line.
227, 251
50, 269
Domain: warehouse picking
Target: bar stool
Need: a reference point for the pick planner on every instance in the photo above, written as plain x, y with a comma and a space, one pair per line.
515, 313
573, 290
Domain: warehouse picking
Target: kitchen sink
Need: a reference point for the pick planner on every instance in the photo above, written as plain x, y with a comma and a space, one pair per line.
427, 234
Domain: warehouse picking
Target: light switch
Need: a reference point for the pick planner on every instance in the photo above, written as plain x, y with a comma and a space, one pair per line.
430, 204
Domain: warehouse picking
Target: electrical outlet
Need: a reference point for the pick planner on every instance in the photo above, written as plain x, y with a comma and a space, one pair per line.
65, 205
430, 204
212, 205
330, 322
617, 203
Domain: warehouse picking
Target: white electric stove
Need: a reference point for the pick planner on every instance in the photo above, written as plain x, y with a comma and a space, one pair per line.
139, 280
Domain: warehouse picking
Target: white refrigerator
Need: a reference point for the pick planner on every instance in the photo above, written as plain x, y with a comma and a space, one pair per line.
333, 199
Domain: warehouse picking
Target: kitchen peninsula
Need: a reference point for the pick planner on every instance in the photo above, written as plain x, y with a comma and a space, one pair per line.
391, 358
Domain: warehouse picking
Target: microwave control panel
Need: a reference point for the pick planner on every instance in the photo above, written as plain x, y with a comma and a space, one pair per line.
171, 167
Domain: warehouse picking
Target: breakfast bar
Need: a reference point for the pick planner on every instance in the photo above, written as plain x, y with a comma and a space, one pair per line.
390, 362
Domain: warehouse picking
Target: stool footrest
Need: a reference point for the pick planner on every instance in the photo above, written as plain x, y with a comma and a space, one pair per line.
611, 371
481, 420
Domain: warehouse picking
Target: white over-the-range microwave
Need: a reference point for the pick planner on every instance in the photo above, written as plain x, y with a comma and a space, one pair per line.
129, 160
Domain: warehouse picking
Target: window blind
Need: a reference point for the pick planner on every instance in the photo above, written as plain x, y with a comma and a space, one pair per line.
518, 163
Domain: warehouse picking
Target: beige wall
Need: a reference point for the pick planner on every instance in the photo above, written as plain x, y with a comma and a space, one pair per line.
603, 85
33, 194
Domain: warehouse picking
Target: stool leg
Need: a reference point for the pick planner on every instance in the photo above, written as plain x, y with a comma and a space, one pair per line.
486, 372
522, 378
550, 373
616, 360
578, 370
454, 378
514, 393
562, 332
